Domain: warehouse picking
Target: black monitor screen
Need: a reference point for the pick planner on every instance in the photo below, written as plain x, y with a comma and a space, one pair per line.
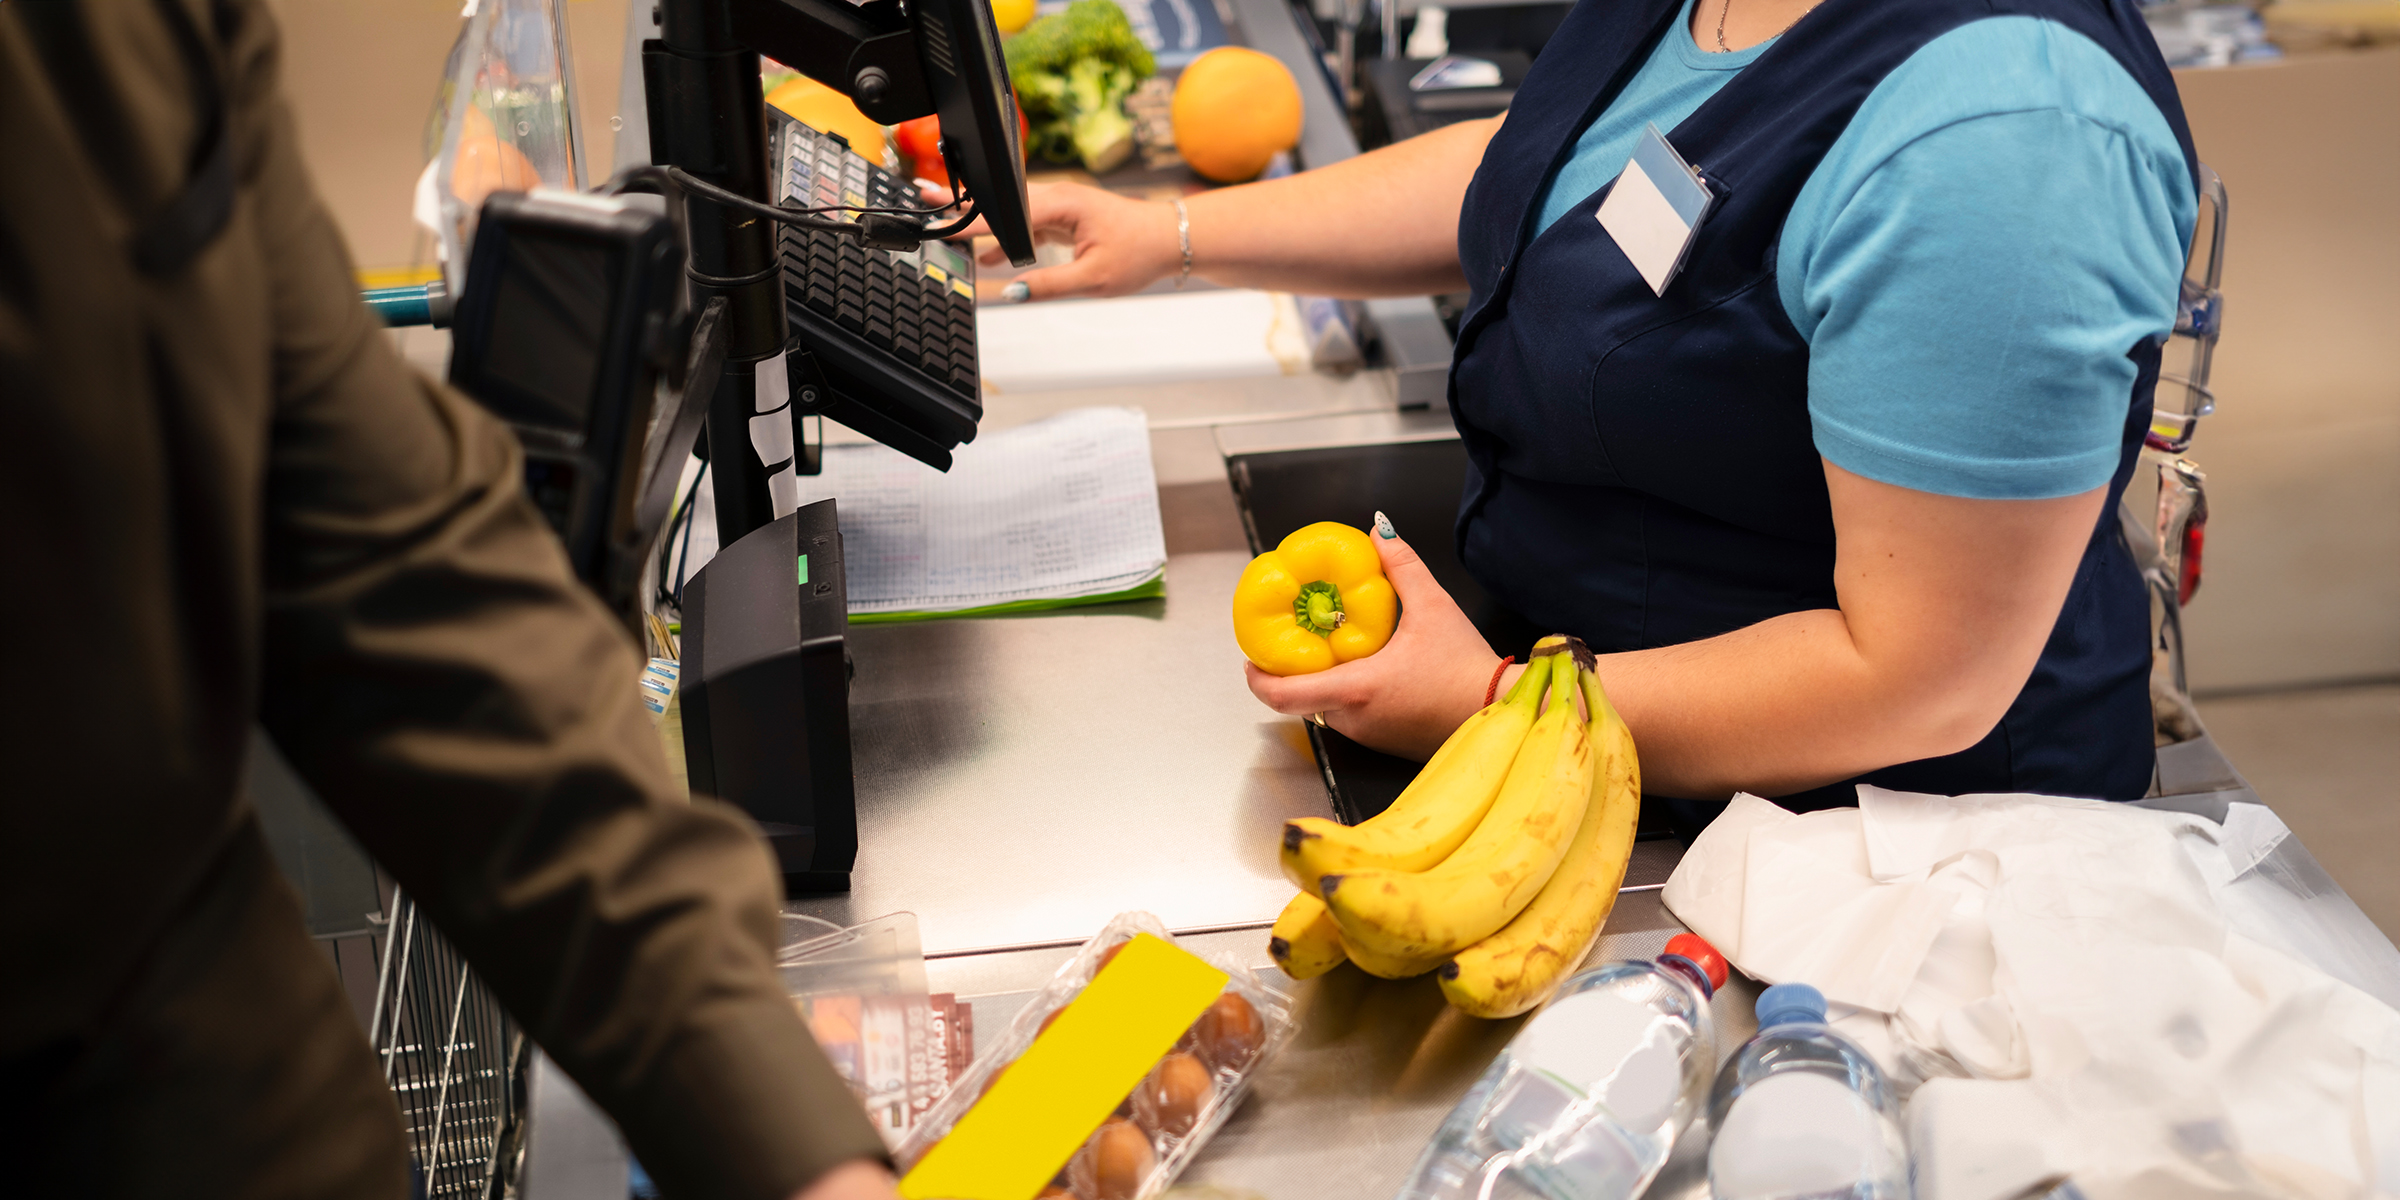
549, 321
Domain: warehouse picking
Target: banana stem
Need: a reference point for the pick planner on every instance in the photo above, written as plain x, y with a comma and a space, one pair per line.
1537, 674
1568, 659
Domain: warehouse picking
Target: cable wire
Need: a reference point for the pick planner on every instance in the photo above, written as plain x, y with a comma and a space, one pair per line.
686, 183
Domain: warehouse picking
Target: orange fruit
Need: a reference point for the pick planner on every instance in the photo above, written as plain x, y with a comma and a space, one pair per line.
823, 109
1235, 109
1012, 15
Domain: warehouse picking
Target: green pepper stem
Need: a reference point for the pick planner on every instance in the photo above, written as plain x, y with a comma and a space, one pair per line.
1318, 608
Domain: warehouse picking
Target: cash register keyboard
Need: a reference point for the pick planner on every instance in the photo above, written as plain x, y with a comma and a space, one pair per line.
916, 307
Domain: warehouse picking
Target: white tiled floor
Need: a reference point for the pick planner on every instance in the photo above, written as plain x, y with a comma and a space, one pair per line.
2328, 761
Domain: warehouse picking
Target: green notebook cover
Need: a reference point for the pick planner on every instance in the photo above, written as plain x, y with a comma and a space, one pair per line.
1148, 589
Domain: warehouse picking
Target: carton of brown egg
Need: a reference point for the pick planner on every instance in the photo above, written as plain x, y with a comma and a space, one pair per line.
1135, 1150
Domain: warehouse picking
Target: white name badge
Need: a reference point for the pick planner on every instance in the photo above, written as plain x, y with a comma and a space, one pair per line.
1655, 209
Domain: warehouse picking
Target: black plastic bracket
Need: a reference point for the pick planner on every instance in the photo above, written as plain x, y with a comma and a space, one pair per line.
866, 50
810, 395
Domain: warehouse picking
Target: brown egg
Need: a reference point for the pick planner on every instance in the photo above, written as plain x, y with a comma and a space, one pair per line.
1170, 1099
1113, 1164
1229, 1034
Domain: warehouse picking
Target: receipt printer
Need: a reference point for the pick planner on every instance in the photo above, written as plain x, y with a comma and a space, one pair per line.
766, 692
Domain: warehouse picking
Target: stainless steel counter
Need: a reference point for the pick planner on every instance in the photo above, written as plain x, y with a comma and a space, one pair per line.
1023, 779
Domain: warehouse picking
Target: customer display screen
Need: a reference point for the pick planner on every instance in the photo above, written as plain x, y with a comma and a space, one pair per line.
548, 325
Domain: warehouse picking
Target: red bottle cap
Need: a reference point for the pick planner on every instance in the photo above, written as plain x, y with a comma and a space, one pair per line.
1703, 956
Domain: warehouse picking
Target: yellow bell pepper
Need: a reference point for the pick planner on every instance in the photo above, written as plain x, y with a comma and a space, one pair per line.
1318, 599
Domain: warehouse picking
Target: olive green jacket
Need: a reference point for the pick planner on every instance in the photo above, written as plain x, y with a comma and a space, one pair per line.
227, 501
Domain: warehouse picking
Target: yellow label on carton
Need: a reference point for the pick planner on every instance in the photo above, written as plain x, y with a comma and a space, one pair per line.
1041, 1107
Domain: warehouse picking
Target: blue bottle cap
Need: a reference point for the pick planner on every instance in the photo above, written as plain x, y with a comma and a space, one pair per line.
1786, 1003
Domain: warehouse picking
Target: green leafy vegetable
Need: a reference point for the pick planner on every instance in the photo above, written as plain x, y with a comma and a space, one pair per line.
1072, 71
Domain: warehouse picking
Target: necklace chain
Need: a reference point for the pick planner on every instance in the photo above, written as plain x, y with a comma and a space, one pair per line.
1727, 6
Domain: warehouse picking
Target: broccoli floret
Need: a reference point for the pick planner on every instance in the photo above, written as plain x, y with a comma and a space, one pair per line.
1072, 72
1103, 134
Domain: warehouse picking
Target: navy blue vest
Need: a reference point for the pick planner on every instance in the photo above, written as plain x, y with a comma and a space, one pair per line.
1641, 467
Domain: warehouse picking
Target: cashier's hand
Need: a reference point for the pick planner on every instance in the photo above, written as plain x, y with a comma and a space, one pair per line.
1121, 245
1408, 697
857, 1180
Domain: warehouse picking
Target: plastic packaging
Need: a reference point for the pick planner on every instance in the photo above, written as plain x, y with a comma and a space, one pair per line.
1587, 1101
862, 992
1802, 1111
506, 120
1137, 1151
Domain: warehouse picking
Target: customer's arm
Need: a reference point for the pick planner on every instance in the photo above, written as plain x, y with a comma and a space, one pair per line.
1382, 224
469, 711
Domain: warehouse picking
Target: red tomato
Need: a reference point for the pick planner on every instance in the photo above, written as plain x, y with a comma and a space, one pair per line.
921, 141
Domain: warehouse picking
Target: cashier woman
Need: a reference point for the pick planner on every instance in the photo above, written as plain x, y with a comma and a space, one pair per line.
1838, 504
227, 501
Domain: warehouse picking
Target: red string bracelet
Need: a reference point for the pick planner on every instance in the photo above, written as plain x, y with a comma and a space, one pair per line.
1492, 689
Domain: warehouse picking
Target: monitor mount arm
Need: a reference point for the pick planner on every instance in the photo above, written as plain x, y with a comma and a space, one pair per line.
868, 51
708, 116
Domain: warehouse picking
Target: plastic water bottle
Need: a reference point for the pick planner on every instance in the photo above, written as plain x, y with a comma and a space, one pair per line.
1587, 1101
1801, 1111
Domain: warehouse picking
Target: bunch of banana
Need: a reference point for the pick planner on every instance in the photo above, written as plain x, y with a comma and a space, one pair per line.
1499, 863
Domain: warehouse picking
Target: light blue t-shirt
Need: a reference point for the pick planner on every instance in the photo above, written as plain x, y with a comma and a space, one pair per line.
2002, 220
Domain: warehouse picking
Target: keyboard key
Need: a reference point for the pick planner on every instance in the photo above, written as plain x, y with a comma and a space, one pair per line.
821, 299
850, 316
962, 380
878, 332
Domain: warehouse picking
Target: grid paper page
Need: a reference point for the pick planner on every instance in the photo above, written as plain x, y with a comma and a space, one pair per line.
1061, 508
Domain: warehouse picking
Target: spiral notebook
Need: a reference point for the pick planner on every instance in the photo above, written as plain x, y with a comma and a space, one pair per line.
1059, 512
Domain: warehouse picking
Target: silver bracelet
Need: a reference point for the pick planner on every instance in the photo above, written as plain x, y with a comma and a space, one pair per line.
1183, 237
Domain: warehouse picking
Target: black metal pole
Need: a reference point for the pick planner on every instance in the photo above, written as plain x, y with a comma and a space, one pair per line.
743, 503
708, 116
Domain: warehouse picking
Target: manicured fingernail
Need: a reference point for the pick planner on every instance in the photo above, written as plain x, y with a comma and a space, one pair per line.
1383, 527
1017, 292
